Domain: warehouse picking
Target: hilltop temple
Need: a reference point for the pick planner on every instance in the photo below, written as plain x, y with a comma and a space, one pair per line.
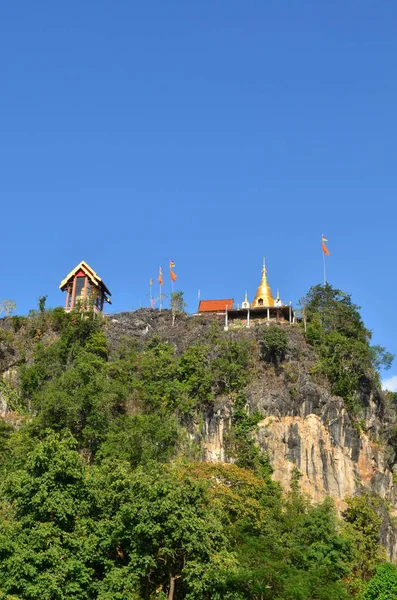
84, 289
263, 307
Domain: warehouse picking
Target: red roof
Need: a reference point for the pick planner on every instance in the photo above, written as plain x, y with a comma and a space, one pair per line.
215, 305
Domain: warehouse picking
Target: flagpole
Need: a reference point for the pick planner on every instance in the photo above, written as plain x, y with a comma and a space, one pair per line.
325, 253
161, 298
171, 266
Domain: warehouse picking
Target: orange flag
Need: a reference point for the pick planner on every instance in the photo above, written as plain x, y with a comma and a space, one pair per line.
324, 247
161, 276
172, 274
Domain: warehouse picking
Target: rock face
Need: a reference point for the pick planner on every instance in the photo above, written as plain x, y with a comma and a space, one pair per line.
329, 466
304, 427
333, 458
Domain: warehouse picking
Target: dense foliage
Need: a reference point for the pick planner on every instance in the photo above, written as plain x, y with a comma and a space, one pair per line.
337, 332
103, 495
113, 531
274, 344
384, 585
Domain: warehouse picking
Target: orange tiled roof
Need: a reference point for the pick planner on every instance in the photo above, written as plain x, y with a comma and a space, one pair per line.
215, 305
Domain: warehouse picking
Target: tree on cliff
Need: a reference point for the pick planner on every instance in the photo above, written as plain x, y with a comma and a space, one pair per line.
7, 307
342, 342
334, 310
177, 304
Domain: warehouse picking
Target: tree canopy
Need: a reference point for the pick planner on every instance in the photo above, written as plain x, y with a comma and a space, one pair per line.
342, 342
103, 491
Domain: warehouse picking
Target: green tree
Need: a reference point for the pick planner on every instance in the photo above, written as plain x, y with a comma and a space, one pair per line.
381, 358
141, 439
159, 386
241, 441
177, 304
97, 343
82, 399
282, 551
43, 540
383, 586
363, 522
5, 434
334, 311
41, 302
274, 344
164, 524
230, 367
195, 373
336, 331
120, 583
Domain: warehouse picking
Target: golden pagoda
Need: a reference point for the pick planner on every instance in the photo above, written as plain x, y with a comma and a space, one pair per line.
263, 296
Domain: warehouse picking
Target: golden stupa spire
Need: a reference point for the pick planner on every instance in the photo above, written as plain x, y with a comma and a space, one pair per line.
263, 296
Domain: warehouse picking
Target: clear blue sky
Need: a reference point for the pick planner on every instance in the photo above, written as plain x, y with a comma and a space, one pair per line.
211, 133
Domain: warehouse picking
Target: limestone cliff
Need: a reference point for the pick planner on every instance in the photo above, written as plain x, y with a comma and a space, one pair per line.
314, 433
302, 426
319, 440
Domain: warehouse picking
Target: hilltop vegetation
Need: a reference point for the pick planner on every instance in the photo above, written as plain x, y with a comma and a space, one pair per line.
104, 494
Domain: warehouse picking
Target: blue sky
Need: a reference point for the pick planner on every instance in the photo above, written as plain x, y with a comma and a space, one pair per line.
210, 133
